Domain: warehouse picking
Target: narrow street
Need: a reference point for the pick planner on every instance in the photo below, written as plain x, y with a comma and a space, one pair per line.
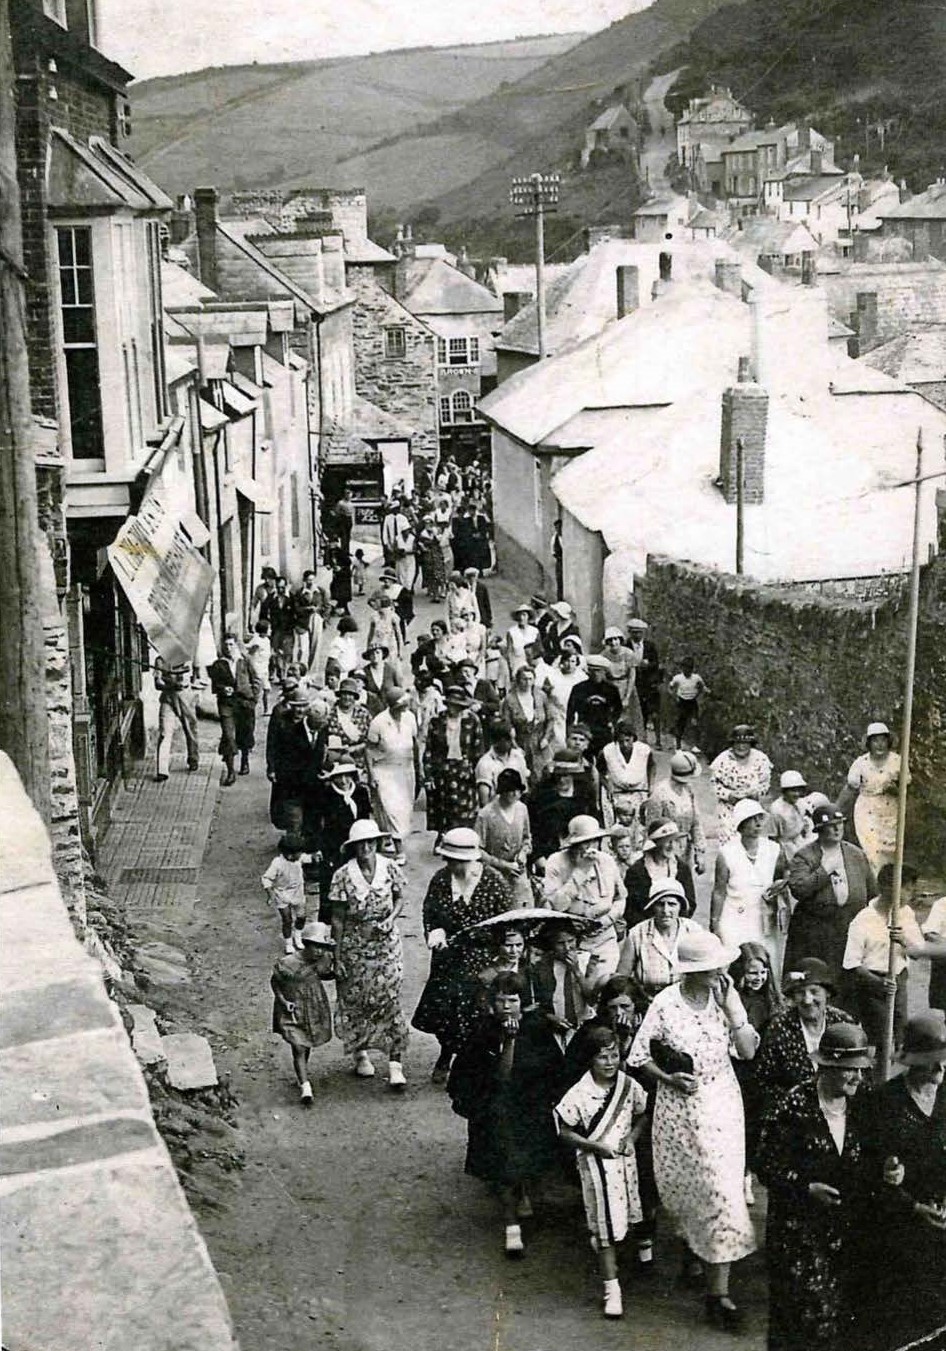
660, 142
353, 1226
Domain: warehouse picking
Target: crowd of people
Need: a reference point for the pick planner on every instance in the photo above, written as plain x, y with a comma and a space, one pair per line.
587, 1022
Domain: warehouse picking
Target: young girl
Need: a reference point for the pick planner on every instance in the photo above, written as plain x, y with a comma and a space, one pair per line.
600, 1117
284, 881
754, 979
259, 653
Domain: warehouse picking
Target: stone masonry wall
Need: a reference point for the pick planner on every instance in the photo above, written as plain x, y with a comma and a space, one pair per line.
405, 387
810, 672
907, 294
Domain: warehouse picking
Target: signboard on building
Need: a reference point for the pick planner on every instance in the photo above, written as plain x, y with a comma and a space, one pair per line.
166, 579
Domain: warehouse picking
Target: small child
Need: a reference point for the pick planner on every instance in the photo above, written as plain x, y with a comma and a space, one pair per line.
755, 980
259, 653
359, 568
285, 883
687, 686
600, 1117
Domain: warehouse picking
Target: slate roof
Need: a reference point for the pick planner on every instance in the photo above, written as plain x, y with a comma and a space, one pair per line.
433, 286
918, 357
929, 205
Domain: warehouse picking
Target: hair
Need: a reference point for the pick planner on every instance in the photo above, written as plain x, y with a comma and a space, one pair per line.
614, 986
499, 731
291, 844
267, 573
261, 627
625, 727
502, 932
581, 729
509, 982
757, 952
359, 553
550, 932
231, 635
593, 1041
885, 874
347, 625
438, 624
509, 780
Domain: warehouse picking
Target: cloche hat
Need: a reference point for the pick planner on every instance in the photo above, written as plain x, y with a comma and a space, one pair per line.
924, 1040
745, 810
684, 765
460, 843
844, 1046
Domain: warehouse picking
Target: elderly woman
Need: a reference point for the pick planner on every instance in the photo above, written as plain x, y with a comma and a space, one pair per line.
453, 750
873, 784
902, 1300
685, 1046
627, 771
525, 710
583, 881
366, 897
659, 862
349, 721
649, 950
393, 765
342, 801
750, 879
810, 1154
562, 794
503, 830
792, 1037
560, 679
673, 799
464, 892
831, 881
740, 771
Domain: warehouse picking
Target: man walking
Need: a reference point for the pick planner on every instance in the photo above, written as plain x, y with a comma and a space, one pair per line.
237, 688
175, 701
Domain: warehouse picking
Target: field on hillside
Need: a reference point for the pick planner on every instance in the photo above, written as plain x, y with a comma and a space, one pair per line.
278, 124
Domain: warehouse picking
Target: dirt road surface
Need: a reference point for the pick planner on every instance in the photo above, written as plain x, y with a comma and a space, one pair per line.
352, 1226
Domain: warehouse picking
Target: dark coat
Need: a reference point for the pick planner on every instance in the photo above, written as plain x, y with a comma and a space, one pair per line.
818, 927
598, 705
484, 603
637, 880
782, 1060
549, 815
335, 821
246, 683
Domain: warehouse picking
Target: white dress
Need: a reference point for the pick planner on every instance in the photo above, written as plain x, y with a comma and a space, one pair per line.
745, 917
391, 757
699, 1139
609, 1187
876, 807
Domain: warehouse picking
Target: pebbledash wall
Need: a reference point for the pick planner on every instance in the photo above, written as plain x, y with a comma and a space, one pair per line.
810, 672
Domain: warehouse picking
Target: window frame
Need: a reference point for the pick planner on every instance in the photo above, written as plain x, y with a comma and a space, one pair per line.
395, 335
461, 417
65, 344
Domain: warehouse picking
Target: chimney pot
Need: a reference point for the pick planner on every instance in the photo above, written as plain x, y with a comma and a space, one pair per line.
745, 411
745, 370
728, 276
628, 289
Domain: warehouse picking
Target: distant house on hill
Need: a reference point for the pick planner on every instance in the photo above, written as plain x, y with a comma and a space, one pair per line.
757, 156
776, 245
920, 220
660, 218
714, 120
613, 132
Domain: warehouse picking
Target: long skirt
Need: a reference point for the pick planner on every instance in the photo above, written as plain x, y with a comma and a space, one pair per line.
394, 797
451, 801
368, 1015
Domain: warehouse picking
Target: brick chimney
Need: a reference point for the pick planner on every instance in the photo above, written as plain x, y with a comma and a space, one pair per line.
865, 321
728, 276
513, 302
629, 289
816, 162
745, 411
205, 212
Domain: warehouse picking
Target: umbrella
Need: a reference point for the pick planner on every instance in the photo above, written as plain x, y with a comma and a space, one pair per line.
527, 915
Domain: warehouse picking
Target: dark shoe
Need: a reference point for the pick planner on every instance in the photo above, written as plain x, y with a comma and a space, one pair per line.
229, 779
160, 778
244, 769
192, 767
691, 1273
724, 1316
244, 763
441, 1070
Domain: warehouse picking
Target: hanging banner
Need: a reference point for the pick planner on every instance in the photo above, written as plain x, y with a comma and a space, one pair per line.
167, 581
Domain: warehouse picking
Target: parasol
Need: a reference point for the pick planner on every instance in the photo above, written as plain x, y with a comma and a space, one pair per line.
530, 917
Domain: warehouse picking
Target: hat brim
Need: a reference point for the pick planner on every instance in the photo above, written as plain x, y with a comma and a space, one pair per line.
586, 839
337, 771
693, 773
931, 1057
863, 1060
366, 839
464, 854
725, 959
790, 986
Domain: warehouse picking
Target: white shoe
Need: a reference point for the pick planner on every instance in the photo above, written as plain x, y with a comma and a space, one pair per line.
613, 1304
514, 1244
297, 940
289, 947
396, 1078
305, 1094
748, 1190
363, 1066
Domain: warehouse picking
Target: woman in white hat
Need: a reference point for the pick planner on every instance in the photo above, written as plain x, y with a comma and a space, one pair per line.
561, 625
873, 783
791, 824
685, 1046
623, 662
582, 880
740, 771
751, 876
464, 892
393, 763
673, 799
627, 771
659, 862
520, 635
366, 897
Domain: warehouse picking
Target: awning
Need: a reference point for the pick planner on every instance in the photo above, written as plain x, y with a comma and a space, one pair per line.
253, 492
211, 418
167, 581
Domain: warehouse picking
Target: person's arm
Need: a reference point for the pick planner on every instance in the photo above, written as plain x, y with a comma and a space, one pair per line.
720, 885
806, 876
651, 773
585, 1146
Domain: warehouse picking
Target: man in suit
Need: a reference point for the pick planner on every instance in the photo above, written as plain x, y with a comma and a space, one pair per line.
831, 881
237, 687
295, 756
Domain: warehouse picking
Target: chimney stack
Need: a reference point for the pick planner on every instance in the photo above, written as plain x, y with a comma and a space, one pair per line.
866, 321
333, 262
745, 414
816, 162
205, 211
629, 289
513, 302
729, 276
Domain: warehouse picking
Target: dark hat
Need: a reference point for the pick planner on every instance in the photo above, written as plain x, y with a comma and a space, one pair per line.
568, 762
508, 781
456, 694
743, 731
375, 647
924, 1040
825, 816
844, 1046
809, 971
349, 686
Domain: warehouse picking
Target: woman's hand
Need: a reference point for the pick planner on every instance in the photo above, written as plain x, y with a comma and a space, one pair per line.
605, 1151
683, 1083
823, 1194
510, 1027
727, 997
436, 940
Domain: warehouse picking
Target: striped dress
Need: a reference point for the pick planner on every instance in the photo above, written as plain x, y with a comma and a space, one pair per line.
609, 1187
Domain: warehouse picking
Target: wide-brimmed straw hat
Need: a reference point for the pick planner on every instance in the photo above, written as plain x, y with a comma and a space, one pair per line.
460, 843
364, 830
524, 608
343, 767
924, 1040
318, 934
660, 830
844, 1046
562, 609
809, 971
745, 810
684, 765
703, 951
582, 830
613, 632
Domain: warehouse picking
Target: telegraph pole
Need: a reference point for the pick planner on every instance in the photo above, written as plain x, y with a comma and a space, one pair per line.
535, 196
24, 730
740, 507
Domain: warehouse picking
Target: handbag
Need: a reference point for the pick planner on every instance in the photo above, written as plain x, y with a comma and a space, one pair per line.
669, 1059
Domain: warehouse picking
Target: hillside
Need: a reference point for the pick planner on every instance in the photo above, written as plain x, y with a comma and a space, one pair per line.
868, 72
279, 124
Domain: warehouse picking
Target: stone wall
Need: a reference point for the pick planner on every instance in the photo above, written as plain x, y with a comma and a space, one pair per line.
907, 294
811, 672
405, 387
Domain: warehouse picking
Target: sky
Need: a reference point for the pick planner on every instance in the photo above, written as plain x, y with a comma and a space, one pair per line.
160, 37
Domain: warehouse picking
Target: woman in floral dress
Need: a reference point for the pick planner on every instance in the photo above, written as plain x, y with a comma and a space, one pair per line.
461, 894
685, 1046
366, 897
740, 771
873, 783
505, 835
454, 745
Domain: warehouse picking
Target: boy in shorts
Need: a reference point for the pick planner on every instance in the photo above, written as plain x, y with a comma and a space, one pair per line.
285, 883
